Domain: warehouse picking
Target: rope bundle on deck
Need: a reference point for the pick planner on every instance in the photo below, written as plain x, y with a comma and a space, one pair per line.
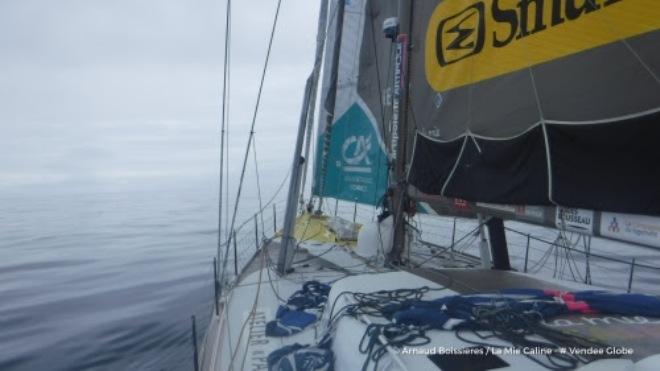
512, 317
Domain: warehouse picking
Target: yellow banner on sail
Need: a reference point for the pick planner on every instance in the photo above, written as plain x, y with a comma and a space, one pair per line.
468, 41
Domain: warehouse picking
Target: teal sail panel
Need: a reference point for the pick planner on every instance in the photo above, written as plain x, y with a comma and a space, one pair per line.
351, 157
356, 161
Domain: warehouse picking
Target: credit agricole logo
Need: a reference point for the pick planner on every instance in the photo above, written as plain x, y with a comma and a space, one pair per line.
469, 41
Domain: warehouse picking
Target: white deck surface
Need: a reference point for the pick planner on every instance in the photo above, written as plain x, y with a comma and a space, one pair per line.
241, 343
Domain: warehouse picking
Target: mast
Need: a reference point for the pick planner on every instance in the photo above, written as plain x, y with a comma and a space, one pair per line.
318, 59
399, 131
298, 166
288, 238
329, 104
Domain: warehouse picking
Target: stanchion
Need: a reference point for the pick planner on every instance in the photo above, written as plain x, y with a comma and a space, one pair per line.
194, 342
632, 271
526, 254
215, 285
256, 232
274, 218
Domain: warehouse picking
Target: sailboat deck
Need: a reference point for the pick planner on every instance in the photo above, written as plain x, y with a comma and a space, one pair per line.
237, 338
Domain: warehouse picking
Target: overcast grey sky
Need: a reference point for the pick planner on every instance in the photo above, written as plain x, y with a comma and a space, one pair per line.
110, 90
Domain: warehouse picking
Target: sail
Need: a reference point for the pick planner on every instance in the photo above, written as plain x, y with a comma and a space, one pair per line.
351, 156
537, 102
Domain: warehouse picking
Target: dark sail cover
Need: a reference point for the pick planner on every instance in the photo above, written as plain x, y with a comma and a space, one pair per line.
537, 102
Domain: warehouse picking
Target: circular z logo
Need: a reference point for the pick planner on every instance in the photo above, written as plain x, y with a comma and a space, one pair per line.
469, 41
461, 35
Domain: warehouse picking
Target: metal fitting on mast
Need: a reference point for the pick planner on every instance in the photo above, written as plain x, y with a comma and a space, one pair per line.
391, 27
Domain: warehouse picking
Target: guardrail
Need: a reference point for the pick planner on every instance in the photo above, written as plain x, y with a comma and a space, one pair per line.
247, 238
529, 252
558, 258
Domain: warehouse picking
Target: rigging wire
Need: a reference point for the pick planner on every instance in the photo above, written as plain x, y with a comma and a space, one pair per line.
270, 201
223, 123
256, 169
271, 265
228, 106
470, 233
251, 137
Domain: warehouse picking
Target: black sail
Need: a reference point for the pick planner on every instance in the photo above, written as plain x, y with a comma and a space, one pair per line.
537, 102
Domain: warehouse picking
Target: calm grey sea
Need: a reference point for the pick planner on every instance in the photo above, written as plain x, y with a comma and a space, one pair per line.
105, 276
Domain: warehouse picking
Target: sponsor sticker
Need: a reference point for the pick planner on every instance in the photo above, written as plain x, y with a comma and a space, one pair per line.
460, 203
505, 208
399, 81
471, 41
575, 220
532, 212
634, 228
